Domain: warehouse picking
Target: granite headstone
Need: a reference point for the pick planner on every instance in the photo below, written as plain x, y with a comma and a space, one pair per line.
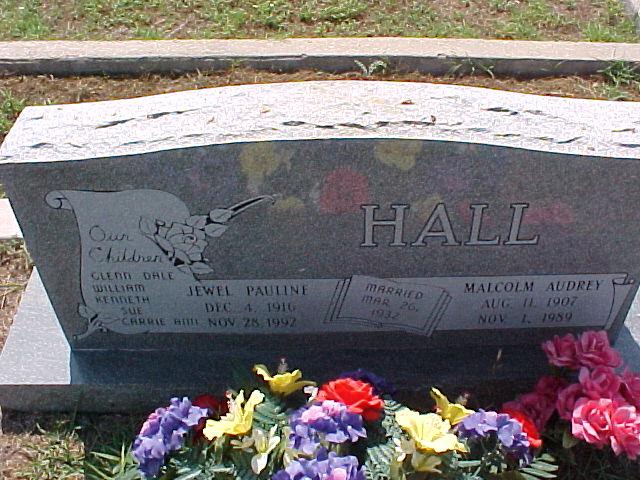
419, 230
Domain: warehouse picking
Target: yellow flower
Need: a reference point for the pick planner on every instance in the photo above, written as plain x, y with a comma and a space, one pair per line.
430, 431
239, 419
454, 412
283, 383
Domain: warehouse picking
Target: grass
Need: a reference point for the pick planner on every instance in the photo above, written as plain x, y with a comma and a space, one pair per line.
620, 78
10, 107
68, 447
57, 455
593, 20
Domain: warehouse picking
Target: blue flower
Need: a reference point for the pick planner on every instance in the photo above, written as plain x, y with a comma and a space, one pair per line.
328, 422
164, 432
513, 441
327, 466
379, 384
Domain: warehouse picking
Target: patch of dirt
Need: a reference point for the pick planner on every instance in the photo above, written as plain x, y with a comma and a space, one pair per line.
15, 268
45, 90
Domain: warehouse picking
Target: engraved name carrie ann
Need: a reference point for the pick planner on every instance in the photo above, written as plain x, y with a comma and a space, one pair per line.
438, 225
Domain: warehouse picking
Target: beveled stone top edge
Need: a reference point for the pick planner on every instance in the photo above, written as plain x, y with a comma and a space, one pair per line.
324, 110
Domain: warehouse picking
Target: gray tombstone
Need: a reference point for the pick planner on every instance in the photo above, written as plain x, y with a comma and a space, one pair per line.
430, 233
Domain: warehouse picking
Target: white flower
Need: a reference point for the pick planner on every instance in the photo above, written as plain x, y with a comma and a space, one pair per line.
403, 448
312, 391
264, 443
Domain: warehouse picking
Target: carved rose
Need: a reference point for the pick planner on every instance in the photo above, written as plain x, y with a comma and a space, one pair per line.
181, 242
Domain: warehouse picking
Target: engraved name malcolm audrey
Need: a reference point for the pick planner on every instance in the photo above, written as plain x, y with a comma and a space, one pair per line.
438, 225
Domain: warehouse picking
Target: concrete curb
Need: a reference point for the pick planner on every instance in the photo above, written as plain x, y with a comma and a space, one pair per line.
9, 229
425, 55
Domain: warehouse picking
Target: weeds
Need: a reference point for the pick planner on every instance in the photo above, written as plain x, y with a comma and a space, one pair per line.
378, 67
470, 67
10, 107
57, 455
611, 24
620, 76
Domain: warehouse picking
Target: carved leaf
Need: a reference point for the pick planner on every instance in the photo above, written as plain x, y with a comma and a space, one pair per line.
182, 256
199, 268
165, 245
215, 229
147, 226
197, 221
185, 269
220, 215
85, 312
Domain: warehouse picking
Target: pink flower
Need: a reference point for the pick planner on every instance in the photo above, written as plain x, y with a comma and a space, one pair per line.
631, 387
537, 407
625, 429
567, 399
601, 382
593, 349
591, 421
549, 386
561, 351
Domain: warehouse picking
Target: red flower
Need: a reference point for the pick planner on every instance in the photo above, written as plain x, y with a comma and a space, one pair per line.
216, 407
528, 426
343, 191
358, 396
537, 407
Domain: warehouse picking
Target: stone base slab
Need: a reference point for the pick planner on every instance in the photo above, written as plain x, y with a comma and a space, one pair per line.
38, 371
425, 55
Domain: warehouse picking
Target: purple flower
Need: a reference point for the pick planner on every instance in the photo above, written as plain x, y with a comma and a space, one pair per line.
164, 432
513, 441
379, 384
328, 421
324, 467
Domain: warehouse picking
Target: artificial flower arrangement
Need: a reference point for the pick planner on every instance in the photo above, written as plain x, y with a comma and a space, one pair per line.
350, 428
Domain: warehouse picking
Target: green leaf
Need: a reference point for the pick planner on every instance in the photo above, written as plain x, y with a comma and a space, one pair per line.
545, 457
537, 473
546, 467
568, 440
190, 475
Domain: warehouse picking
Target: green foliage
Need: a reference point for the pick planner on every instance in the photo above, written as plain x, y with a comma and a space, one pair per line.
10, 107
378, 67
57, 456
112, 464
272, 14
110, 19
620, 76
380, 450
541, 468
23, 19
528, 20
611, 24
